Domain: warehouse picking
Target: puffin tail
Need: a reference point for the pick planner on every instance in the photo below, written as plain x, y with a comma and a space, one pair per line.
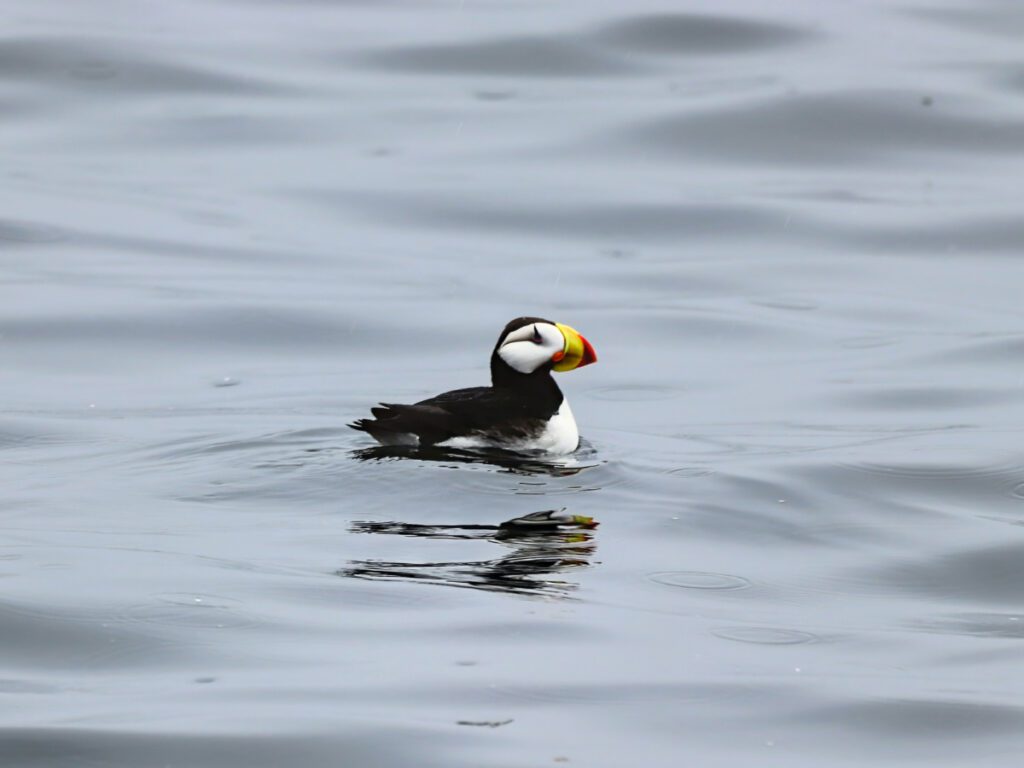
385, 428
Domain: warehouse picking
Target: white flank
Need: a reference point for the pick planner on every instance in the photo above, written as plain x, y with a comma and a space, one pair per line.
561, 434
399, 438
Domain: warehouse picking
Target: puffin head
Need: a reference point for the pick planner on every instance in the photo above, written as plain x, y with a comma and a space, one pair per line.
530, 344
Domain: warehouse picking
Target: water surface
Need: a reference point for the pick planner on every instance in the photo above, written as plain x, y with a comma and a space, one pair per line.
793, 235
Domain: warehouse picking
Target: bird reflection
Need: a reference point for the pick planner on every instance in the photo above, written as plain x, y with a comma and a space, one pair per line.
542, 544
507, 461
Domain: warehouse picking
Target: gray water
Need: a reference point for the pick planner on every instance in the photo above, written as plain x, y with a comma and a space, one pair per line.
791, 230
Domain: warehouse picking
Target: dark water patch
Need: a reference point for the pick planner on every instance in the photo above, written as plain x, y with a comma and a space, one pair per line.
13, 108
28, 687
929, 399
1003, 626
637, 275
607, 51
828, 129
787, 440
872, 341
46, 638
541, 56
178, 250
236, 129
171, 246
88, 67
919, 492
984, 350
759, 509
975, 475
985, 576
718, 86
1014, 80
842, 196
13, 232
978, 235
494, 94
367, 745
788, 304
624, 693
719, 326
989, 17
210, 327
23, 433
634, 222
910, 720
779, 520
682, 34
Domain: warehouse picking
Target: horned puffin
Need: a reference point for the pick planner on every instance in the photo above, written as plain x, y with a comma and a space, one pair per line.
522, 411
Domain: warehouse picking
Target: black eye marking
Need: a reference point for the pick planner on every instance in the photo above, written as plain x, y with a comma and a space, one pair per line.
536, 336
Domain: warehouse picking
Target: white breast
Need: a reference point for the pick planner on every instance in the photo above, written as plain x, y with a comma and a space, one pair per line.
560, 435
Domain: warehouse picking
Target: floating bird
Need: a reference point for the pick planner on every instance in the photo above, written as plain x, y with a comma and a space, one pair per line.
522, 411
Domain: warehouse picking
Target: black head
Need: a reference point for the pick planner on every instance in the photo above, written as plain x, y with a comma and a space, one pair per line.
533, 347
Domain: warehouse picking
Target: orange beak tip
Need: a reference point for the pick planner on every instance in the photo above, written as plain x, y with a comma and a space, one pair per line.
589, 355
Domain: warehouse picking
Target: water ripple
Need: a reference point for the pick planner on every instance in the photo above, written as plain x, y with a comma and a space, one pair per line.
829, 128
29, 232
700, 580
71, 64
682, 34
766, 635
523, 56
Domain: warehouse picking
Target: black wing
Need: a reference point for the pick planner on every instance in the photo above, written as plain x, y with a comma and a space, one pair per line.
450, 414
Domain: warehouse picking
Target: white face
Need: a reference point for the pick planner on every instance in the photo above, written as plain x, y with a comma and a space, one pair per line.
529, 347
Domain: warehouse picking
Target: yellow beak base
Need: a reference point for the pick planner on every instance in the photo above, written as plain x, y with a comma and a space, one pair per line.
577, 352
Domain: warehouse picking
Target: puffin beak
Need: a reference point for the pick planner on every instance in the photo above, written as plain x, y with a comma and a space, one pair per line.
576, 353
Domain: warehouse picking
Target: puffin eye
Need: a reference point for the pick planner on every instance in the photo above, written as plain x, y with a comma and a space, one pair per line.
536, 336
